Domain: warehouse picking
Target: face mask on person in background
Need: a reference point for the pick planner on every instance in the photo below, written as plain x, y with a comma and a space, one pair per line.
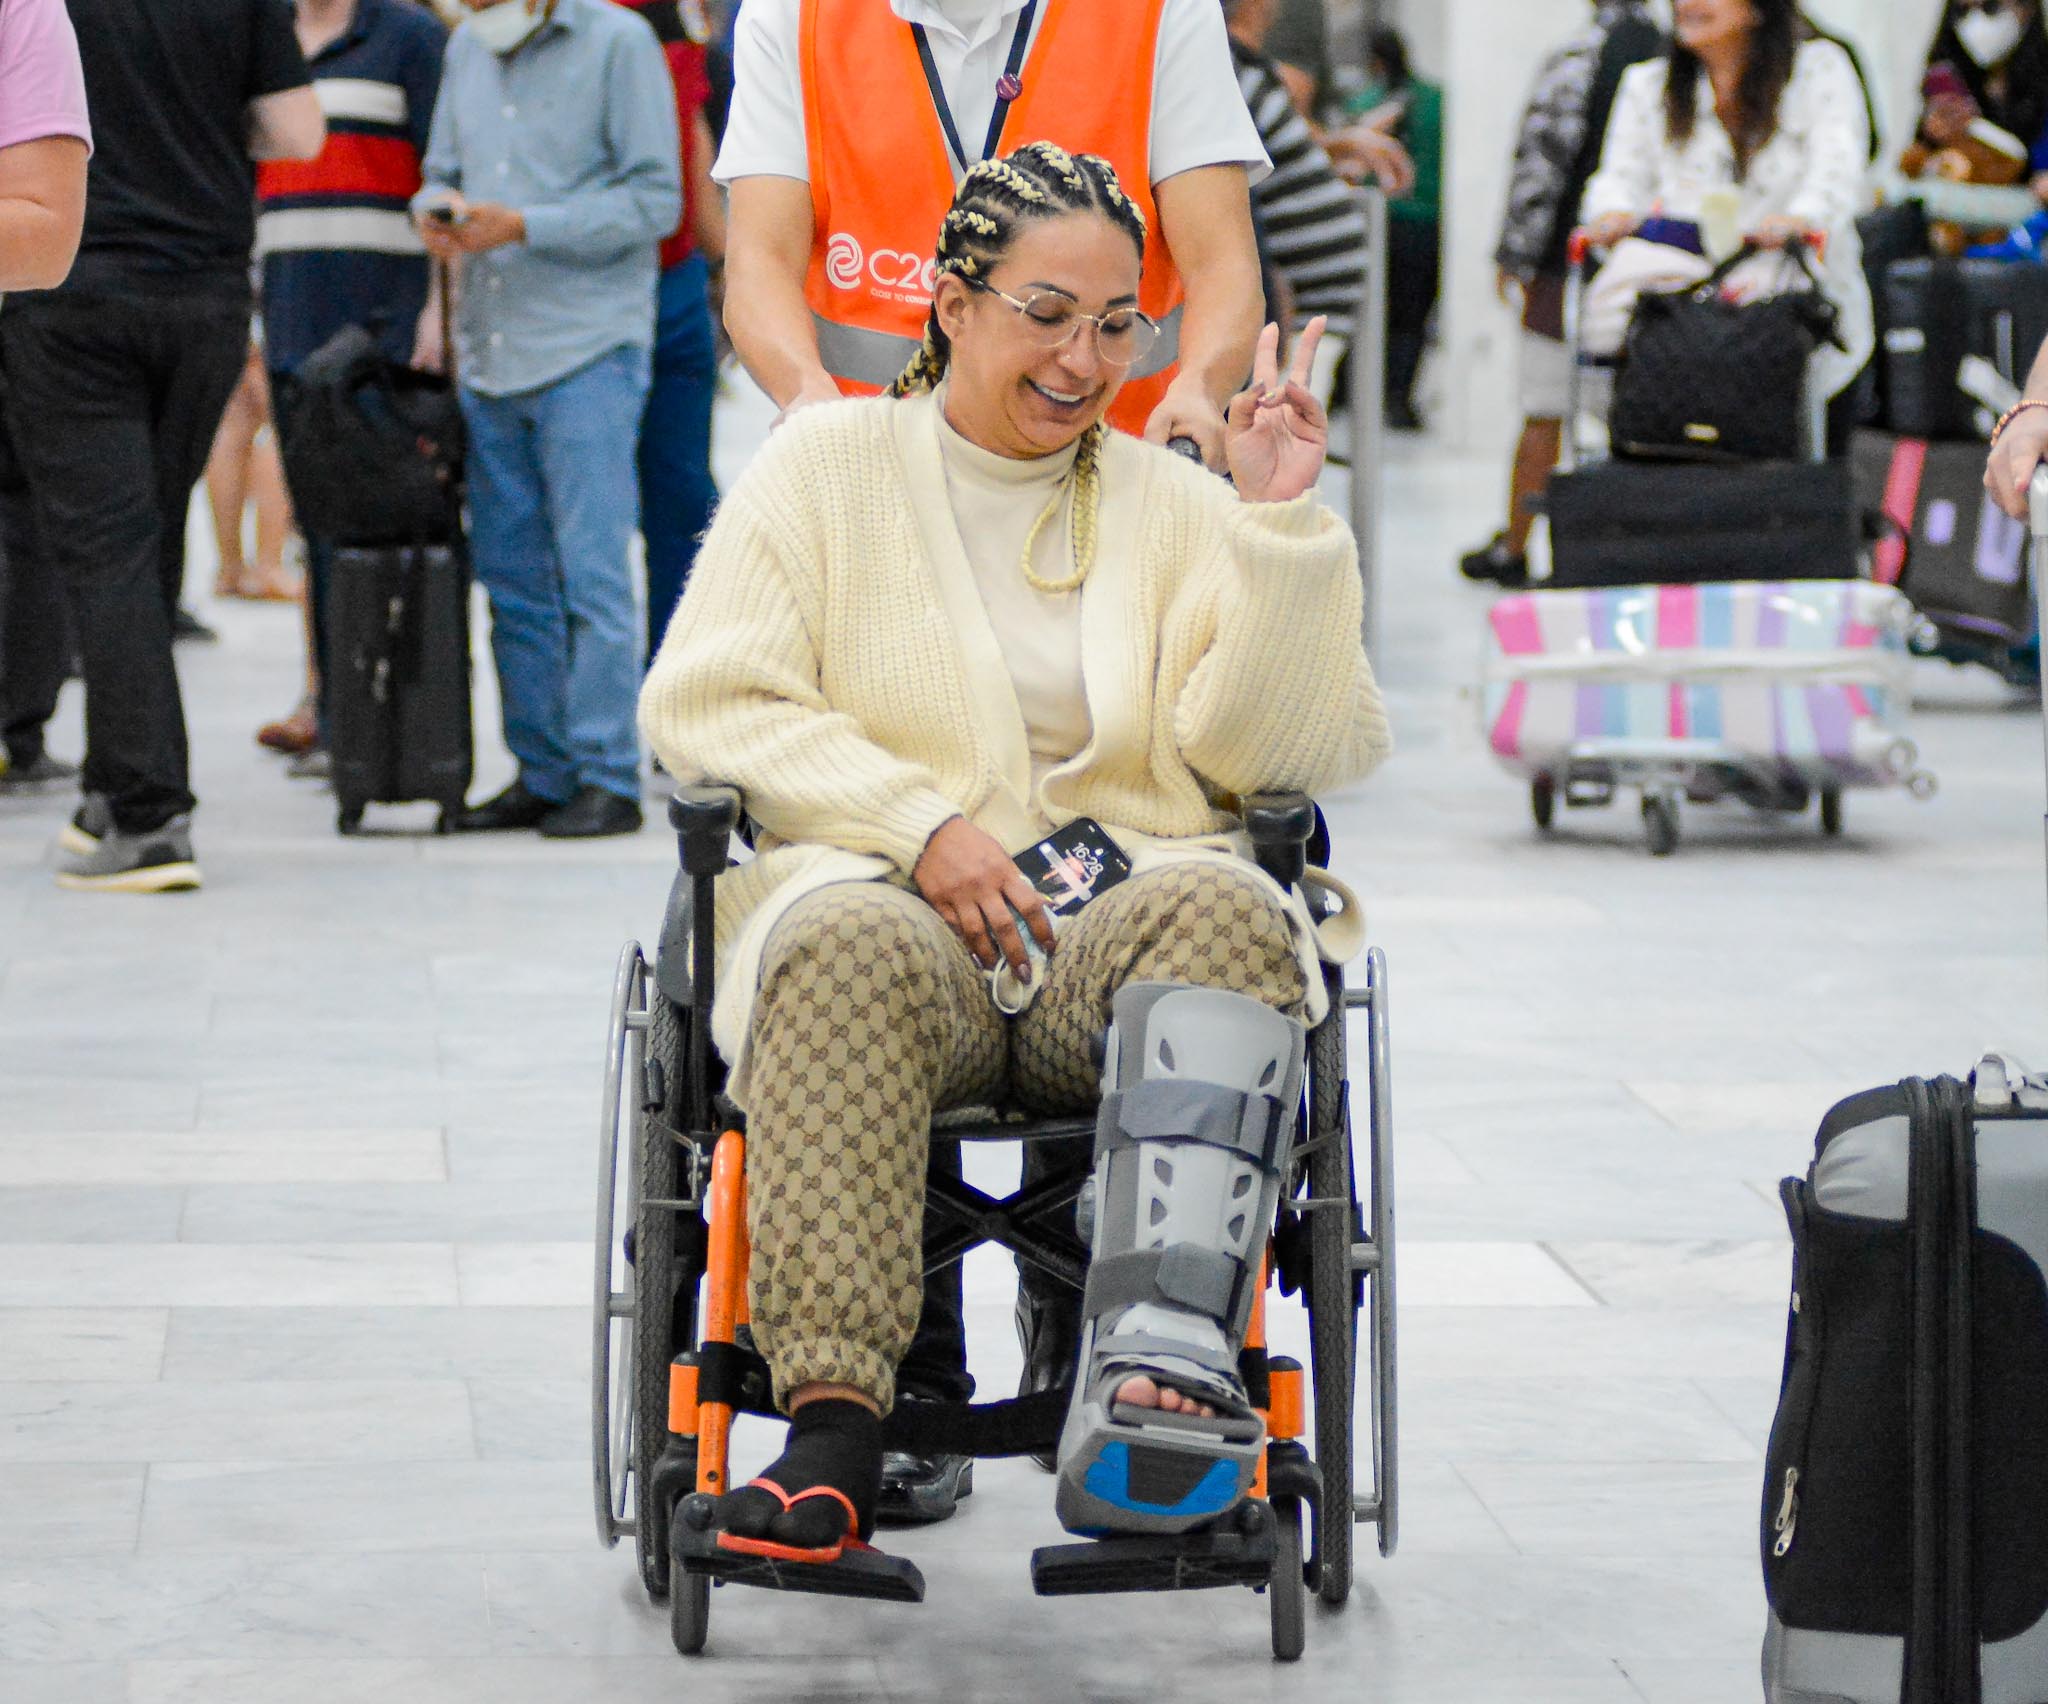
504, 26
1990, 37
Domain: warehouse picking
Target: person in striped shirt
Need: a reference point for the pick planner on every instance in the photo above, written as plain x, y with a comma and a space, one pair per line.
335, 234
1311, 228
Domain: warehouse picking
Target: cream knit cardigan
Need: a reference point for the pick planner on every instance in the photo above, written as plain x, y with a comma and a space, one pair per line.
834, 660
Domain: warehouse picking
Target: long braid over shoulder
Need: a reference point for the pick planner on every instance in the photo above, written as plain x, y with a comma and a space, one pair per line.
1040, 180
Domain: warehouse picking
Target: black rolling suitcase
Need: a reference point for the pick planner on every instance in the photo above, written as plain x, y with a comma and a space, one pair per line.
374, 452
1939, 311
398, 722
1905, 1511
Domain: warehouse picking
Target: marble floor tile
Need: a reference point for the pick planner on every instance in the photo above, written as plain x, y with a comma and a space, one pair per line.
1567, 1419
532, 1419
1613, 1508
43, 1275
277, 1155
323, 1507
846, 1678
498, 1211
538, 1274
116, 1213
338, 1420
74, 1345
495, 1343
264, 1607
1459, 1274
52, 1107
62, 1683
85, 1509
1681, 1274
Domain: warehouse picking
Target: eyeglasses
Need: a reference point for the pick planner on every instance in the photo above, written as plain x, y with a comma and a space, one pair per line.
1122, 335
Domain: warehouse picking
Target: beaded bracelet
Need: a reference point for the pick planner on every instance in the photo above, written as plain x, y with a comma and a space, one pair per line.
2012, 414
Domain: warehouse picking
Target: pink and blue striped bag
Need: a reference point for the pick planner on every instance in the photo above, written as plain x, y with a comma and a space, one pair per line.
1807, 680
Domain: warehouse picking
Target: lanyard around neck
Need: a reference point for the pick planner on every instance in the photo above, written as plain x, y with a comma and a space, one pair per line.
1007, 90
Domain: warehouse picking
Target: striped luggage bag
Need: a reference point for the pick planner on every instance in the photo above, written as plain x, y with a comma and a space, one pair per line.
1803, 681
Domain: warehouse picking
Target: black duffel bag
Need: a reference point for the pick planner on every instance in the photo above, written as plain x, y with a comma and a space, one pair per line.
372, 449
1624, 523
1705, 379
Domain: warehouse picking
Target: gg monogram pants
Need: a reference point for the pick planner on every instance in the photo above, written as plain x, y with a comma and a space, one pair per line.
872, 1017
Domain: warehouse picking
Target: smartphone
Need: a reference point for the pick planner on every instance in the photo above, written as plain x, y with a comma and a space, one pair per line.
446, 213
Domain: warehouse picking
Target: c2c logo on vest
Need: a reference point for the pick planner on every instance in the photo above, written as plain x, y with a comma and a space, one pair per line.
890, 272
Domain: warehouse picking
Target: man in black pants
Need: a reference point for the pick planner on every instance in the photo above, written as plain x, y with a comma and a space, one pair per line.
35, 648
116, 382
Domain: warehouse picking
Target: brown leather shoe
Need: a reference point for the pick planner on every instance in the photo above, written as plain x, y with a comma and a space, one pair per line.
293, 735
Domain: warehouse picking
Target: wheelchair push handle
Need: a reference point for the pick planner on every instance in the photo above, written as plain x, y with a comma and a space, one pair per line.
704, 816
1281, 825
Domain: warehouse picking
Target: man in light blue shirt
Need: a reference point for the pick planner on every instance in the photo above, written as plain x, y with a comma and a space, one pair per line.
552, 174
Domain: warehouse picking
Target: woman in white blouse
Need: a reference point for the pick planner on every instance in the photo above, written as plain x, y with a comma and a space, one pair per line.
1748, 104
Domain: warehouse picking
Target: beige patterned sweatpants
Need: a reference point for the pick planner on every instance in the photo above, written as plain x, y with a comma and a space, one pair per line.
872, 1017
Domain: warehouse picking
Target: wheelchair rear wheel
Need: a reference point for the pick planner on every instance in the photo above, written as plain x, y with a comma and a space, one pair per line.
665, 1295
1333, 1293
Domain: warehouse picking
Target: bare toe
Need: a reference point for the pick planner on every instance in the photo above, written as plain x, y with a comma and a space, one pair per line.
1142, 1391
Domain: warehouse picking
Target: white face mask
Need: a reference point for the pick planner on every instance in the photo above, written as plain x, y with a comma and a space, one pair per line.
1989, 37
504, 26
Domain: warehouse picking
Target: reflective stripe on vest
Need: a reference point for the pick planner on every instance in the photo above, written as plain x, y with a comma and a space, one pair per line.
882, 178
875, 358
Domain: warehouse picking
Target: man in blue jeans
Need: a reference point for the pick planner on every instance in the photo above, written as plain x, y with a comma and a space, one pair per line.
552, 173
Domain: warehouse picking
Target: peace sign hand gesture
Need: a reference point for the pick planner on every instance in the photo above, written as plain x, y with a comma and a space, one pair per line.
1276, 434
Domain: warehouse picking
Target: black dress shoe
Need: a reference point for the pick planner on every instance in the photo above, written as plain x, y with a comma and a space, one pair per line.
590, 815
1496, 562
186, 625
921, 1490
1050, 1332
513, 808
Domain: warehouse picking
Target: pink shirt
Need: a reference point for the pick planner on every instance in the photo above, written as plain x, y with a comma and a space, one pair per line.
42, 88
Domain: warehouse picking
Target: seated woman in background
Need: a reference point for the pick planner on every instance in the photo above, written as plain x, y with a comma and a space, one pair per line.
1749, 130
926, 630
1985, 112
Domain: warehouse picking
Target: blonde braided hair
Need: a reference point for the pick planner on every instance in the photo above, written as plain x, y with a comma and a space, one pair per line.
1041, 180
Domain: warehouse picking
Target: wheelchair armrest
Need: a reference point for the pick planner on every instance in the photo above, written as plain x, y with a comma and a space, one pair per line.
704, 816
1281, 825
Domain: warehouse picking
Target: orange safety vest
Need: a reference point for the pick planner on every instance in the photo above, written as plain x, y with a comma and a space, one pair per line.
882, 176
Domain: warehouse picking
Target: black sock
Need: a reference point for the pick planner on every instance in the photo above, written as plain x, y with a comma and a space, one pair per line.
831, 1443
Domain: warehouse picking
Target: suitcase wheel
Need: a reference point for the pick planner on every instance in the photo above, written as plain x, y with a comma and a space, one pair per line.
1660, 824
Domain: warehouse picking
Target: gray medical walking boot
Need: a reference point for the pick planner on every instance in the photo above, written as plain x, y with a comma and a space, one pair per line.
1201, 1090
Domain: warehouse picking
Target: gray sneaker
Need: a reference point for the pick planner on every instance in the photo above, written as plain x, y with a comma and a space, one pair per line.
88, 826
38, 776
159, 861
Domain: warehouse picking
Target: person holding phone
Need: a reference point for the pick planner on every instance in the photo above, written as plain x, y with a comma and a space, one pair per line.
926, 630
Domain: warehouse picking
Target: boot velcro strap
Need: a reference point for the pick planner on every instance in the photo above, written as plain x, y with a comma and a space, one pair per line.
1172, 1109
1200, 1280
1148, 1347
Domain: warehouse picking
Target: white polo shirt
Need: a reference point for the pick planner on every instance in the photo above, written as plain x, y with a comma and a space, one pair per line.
1198, 113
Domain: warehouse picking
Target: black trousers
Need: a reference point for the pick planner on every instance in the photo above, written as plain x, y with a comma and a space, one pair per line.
1414, 274
35, 627
112, 401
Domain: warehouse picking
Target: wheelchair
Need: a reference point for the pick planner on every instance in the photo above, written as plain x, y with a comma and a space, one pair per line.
672, 1363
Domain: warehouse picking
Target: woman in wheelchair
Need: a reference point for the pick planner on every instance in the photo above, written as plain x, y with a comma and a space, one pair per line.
925, 631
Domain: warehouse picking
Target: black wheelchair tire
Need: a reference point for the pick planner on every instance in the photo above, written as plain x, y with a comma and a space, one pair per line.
655, 1283
1333, 1294
689, 1614
1286, 1595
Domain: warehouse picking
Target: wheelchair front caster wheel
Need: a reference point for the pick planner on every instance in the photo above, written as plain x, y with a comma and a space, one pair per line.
1287, 1594
689, 1612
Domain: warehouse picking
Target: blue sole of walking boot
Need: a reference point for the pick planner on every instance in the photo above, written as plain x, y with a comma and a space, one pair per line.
1239, 1551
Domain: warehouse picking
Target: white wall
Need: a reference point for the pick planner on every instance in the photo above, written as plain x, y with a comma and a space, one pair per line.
1486, 52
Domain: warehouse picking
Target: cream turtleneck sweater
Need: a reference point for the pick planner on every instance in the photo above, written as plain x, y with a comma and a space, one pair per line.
834, 659
995, 502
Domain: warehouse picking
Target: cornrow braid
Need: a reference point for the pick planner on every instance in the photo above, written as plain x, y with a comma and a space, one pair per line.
1041, 180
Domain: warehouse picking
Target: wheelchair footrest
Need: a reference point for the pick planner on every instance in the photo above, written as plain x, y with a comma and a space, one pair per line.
859, 1571
1237, 1551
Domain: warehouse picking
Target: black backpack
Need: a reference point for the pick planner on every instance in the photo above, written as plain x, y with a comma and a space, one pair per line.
372, 449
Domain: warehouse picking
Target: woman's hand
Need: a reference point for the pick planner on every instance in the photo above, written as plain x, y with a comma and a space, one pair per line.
1778, 232
970, 881
2021, 448
1276, 434
1610, 229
